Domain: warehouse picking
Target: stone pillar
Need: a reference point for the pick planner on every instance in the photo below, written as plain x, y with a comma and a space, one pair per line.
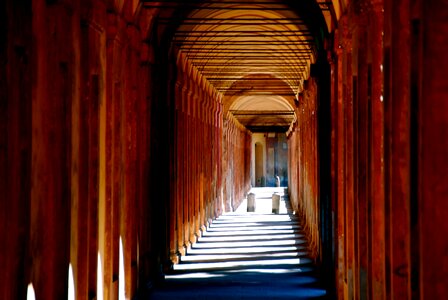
251, 202
275, 203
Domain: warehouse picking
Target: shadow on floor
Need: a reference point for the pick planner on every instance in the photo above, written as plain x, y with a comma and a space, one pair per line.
246, 256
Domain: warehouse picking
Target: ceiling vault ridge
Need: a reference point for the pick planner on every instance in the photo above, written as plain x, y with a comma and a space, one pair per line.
254, 52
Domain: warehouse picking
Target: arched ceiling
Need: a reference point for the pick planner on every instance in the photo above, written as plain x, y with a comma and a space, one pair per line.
258, 113
238, 40
250, 50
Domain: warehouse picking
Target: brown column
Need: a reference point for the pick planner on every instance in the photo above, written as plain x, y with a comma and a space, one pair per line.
176, 242
185, 186
349, 164
397, 64
143, 209
51, 150
362, 132
190, 164
333, 60
16, 72
432, 135
109, 137
377, 163
128, 204
340, 173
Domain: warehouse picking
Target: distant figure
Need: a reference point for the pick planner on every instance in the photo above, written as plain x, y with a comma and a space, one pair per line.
277, 181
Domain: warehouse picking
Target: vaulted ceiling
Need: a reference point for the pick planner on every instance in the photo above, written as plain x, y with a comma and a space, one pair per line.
252, 52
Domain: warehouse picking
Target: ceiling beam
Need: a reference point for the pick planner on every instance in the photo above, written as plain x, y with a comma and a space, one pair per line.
239, 50
177, 37
214, 2
249, 79
246, 43
166, 5
180, 31
267, 128
239, 19
261, 112
227, 73
249, 55
258, 94
262, 64
249, 22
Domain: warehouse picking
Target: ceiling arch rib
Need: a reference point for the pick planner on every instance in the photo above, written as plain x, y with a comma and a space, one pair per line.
241, 39
259, 113
247, 50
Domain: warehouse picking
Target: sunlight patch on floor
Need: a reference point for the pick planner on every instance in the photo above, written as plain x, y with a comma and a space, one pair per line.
71, 283
236, 264
30, 295
212, 257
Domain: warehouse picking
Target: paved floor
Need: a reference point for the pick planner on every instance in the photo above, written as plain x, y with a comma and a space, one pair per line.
243, 255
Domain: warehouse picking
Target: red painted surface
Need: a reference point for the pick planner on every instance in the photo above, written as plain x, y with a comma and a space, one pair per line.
433, 148
200, 196
303, 177
87, 118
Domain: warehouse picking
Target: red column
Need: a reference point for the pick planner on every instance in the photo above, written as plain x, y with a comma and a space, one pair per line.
112, 28
377, 154
349, 164
340, 171
16, 75
431, 123
397, 64
184, 150
189, 166
51, 152
196, 162
333, 60
176, 223
362, 103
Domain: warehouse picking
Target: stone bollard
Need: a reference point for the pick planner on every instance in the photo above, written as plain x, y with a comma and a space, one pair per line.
251, 202
275, 203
